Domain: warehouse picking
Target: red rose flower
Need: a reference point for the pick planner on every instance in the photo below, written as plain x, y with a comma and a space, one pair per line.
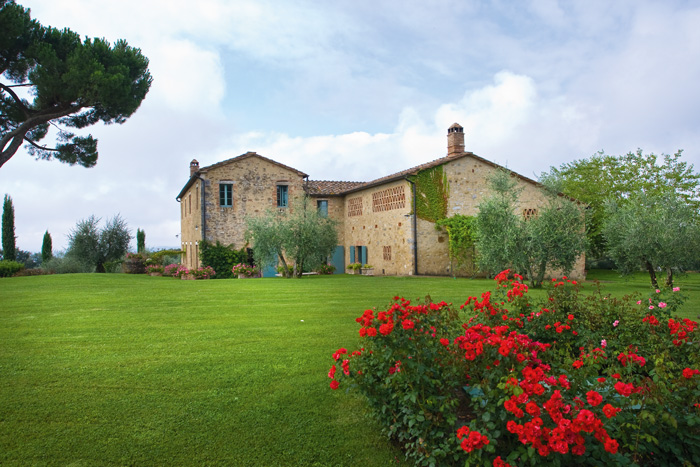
611, 446
610, 411
594, 398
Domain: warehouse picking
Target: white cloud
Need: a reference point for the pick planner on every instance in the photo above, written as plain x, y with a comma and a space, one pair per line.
187, 78
359, 90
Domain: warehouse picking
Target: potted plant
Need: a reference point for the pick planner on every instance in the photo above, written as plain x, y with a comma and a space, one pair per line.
354, 268
155, 269
135, 263
325, 269
170, 270
367, 270
183, 273
205, 272
245, 271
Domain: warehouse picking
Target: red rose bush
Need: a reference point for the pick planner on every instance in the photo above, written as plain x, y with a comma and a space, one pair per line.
503, 381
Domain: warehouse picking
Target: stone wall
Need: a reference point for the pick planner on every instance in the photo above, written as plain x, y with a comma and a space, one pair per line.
254, 183
380, 219
191, 225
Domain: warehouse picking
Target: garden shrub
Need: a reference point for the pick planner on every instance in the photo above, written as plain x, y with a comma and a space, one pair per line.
32, 272
163, 257
67, 265
9, 268
570, 381
221, 257
154, 269
245, 270
170, 270
325, 269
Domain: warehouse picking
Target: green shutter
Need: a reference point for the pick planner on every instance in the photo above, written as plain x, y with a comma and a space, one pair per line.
225, 194
282, 199
352, 254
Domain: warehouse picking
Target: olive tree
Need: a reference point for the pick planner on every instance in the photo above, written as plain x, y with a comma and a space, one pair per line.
657, 231
604, 178
553, 239
298, 237
95, 247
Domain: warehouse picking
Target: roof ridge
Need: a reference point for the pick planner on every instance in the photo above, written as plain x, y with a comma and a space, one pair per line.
252, 154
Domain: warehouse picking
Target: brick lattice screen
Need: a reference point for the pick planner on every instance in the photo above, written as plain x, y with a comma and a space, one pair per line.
391, 198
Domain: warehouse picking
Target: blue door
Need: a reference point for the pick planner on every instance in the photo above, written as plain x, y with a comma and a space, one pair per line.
269, 271
338, 259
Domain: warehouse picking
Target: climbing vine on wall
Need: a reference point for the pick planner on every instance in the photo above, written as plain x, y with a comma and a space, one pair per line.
431, 193
461, 231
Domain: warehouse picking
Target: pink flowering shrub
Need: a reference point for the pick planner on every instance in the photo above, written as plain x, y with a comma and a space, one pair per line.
504, 381
170, 270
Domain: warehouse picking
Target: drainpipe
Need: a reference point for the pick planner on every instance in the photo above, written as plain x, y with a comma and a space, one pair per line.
414, 227
204, 209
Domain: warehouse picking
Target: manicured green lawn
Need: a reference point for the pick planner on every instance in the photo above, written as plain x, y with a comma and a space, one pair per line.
137, 370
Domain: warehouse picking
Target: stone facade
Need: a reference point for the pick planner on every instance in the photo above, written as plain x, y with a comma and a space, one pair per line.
217, 199
382, 226
376, 220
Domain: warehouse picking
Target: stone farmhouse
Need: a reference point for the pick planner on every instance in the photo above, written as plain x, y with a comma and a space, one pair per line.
377, 220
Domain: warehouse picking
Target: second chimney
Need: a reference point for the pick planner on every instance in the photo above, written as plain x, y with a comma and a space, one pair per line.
455, 140
194, 167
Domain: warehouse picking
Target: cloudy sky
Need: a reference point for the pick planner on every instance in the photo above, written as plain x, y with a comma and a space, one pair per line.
355, 89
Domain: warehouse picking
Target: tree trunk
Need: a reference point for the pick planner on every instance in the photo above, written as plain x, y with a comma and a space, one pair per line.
540, 275
285, 271
669, 277
652, 274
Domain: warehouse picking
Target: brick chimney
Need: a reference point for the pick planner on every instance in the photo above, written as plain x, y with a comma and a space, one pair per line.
194, 167
455, 140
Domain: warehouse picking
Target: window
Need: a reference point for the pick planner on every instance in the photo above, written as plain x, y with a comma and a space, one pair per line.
226, 194
358, 254
387, 253
322, 205
282, 196
355, 206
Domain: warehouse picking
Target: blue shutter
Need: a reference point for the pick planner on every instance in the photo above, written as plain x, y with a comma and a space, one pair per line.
363, 255
352, 254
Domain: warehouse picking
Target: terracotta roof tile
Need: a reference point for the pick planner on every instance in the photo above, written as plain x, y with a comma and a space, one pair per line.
330, 187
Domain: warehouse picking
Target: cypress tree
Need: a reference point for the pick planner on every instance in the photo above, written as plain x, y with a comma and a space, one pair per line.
8, 230
140, 241
46, 248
